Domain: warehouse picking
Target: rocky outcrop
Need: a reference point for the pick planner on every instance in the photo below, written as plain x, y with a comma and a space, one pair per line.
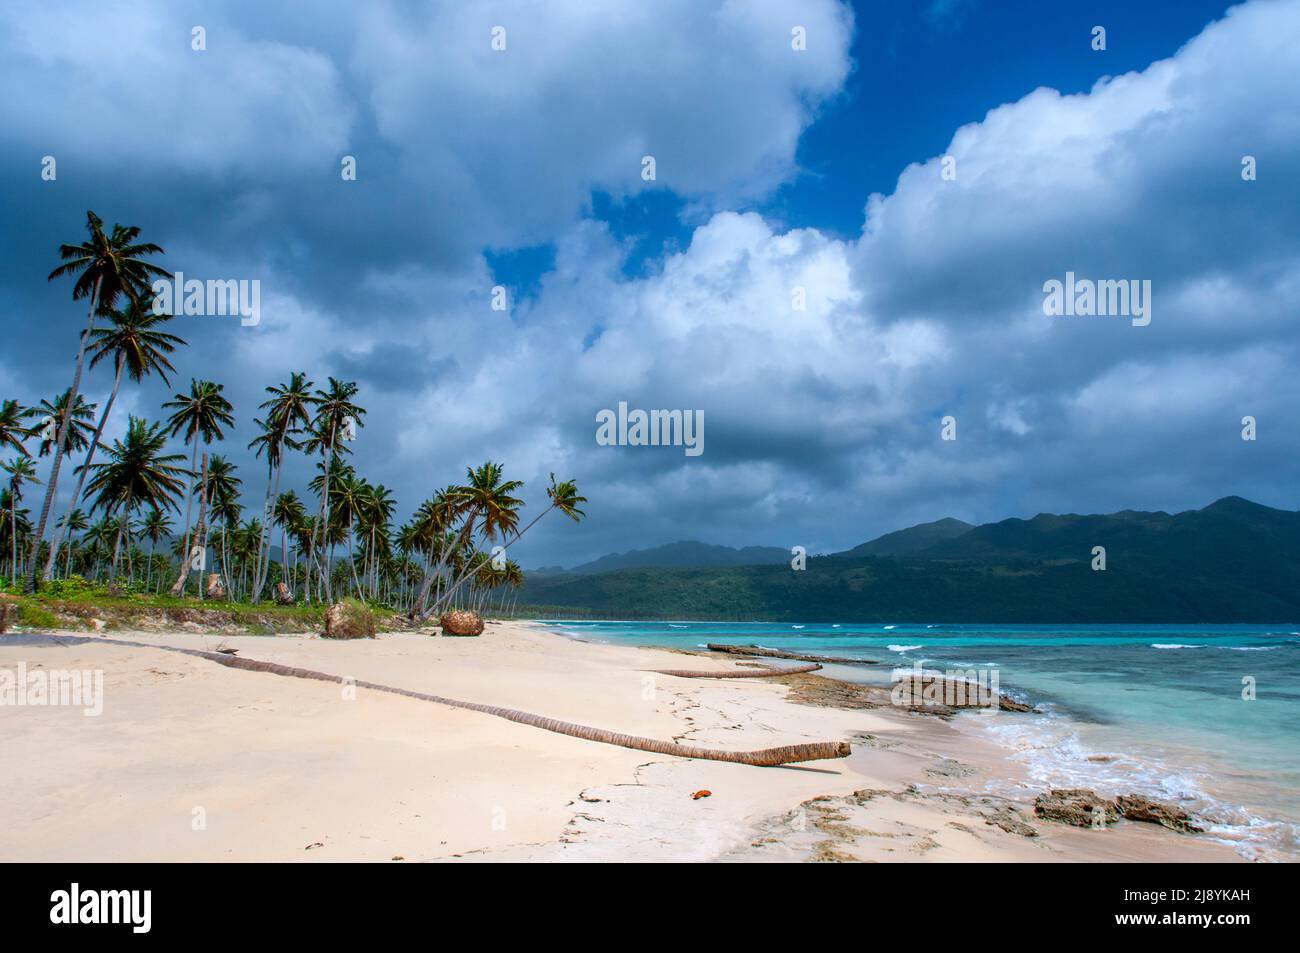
349, 619
941, 695
282, 594
215, 589
461, 622
1077, 806
1134, 807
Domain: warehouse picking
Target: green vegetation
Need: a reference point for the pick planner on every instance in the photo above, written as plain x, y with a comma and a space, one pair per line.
1233, 561
337, 540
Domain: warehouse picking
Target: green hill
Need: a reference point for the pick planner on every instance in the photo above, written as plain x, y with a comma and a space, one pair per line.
1233, 561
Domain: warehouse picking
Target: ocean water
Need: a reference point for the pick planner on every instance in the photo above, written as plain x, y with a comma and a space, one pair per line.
1153, 709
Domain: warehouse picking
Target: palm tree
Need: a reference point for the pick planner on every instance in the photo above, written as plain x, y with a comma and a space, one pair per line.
137, 473
288, 513
563, 496
99, 537
336, 419
20, 470
377, 512
199, 414
487, 498
13, 432
287, 414
13, 522
74, 522
136, 346
155, 528
352, 501
81, 424
223, 504
107, 266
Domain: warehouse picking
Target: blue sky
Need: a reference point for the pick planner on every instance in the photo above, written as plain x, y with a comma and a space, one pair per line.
777, 169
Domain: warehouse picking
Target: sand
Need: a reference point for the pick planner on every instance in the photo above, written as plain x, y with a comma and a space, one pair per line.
192, 761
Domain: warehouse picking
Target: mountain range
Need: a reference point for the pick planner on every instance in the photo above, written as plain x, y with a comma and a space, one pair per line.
1231, 561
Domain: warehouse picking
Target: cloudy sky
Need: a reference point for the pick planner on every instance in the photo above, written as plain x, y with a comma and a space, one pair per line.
776, 169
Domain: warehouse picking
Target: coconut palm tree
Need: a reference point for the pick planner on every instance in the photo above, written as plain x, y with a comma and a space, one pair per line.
107, 267
21, 470
288, 513
136, 474
223, 504
288, 413
13, 524
81, 424
200, 414
484, 503
337, 418
156, 526
74, 522
564, 498
376, 516
13, 432
99, 539
137, 347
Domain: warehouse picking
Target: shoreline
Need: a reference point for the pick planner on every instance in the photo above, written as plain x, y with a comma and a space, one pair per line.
278, 769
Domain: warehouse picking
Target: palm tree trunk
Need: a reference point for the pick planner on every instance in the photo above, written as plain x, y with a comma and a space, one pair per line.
764, 757
506, 545
447, 553
117, 546
189, 504
352, 558
263, 564
66, 534
52, 486
13, 537
186, 557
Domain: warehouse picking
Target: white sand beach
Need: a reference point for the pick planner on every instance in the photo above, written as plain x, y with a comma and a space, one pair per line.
194, 761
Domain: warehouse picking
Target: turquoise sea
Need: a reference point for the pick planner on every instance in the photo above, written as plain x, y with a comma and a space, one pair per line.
1155, 709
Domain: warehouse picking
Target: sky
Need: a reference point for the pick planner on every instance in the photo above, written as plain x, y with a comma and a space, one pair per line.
916, 173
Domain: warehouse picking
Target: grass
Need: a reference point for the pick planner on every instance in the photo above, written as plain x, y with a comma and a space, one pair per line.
73, 602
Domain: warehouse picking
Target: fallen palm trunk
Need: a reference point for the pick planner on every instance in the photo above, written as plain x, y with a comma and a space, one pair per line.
764, 757
756, 673
755, 650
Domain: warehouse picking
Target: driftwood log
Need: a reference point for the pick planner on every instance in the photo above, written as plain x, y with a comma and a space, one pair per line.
757, 651
764, 757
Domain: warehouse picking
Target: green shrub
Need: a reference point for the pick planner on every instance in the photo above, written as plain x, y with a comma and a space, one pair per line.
36, 616
72, 588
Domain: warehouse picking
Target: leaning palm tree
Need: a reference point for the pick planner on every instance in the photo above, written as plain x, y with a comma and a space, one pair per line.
200, 414
564, 498
21, 470
288, 413
486, 498
107, 267
13, 432
139, 348
136, 474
